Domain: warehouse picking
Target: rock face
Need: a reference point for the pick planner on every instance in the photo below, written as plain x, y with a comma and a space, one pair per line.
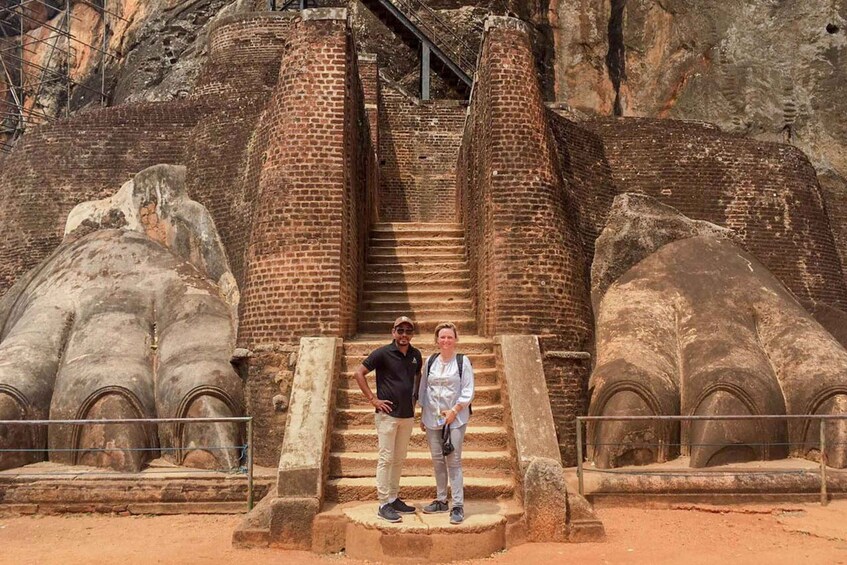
699, 327
771, 70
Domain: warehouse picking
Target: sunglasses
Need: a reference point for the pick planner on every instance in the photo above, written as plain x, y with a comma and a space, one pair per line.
404, 331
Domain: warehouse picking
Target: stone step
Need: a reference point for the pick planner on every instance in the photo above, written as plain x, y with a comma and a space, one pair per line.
418, 305
427, 325
469, 344
483, 415
403, 230
444, 268
480, 361
402, 296
442, 251
414, 240
482, 377
477, 438
425, 278
454, 260
352, 397
474, 464
422, 538
364, 488
438, 314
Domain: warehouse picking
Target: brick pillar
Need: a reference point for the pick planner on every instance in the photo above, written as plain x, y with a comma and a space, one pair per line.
293, 277
529, 268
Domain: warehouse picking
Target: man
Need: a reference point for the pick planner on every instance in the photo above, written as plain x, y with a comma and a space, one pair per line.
398, 367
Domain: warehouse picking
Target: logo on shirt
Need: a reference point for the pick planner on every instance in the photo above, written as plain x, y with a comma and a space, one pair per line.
414, 361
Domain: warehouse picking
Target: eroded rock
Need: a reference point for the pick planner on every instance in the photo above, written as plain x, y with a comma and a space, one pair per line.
699, 327
119, 323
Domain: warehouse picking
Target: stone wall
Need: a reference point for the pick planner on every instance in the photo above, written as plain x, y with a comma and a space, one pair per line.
418, 149
768, 193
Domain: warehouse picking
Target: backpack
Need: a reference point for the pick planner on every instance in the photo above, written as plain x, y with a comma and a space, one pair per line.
460, 361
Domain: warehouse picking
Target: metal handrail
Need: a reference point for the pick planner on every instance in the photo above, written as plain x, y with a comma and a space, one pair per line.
822, 418
465, 62
239, 419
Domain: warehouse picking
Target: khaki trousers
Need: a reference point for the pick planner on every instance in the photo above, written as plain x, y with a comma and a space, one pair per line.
393, 434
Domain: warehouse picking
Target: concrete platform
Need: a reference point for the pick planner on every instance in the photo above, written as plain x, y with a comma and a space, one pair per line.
786, 480
161, 488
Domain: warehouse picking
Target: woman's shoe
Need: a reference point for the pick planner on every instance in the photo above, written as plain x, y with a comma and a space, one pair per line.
457, 515
387, 513
436, 507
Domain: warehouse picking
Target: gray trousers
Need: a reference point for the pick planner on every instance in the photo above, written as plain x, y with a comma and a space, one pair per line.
450, 466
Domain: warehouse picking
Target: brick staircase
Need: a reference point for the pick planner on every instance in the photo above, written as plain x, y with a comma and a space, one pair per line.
419, 270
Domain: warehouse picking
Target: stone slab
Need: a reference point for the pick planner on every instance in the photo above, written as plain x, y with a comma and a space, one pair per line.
301, 464
422, 537
674, 481
526, 390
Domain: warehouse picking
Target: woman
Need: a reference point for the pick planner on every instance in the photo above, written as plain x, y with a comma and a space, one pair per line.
445, 395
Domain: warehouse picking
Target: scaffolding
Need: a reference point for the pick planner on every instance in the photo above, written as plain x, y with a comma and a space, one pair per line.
25, 81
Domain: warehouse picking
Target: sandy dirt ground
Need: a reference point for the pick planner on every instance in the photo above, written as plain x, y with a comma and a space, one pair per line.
687, 534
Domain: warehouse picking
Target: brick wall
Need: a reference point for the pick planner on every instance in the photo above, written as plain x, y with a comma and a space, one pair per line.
526, 260
244, 52
768, 193
418, 150
311, 184
237, 79
528, 272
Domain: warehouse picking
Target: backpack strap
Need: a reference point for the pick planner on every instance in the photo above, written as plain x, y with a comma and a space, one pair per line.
429, 363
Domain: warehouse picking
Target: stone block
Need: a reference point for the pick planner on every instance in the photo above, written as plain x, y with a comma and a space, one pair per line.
526, 390
291, 522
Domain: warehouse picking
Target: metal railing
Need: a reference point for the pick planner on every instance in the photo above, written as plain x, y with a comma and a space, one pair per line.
440, 32
246, 448
822, 446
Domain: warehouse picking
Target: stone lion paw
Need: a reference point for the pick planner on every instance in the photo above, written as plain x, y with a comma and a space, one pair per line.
132, 316
688, 323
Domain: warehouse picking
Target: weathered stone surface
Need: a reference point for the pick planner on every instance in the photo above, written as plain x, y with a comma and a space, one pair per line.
772, 71
302, 465
545, 500
291, 522
155, 203
637, 227
425, 537
700, 327
533, 430
82, 334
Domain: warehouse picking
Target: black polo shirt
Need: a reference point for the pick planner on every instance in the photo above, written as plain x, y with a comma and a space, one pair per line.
395, 377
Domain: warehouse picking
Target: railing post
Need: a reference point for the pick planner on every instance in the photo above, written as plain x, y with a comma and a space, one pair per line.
823, 463
425, 71
579, 456
250, 464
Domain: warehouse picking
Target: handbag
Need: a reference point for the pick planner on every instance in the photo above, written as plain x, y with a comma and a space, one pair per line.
446, 442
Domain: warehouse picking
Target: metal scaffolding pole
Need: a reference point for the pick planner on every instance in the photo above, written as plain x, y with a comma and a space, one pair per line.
30, 78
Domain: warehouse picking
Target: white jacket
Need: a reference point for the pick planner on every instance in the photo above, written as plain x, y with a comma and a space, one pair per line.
441, 390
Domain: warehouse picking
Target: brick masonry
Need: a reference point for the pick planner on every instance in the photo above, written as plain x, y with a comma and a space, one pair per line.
418, 150
768, 193
528, 272
302, 277
280, 140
